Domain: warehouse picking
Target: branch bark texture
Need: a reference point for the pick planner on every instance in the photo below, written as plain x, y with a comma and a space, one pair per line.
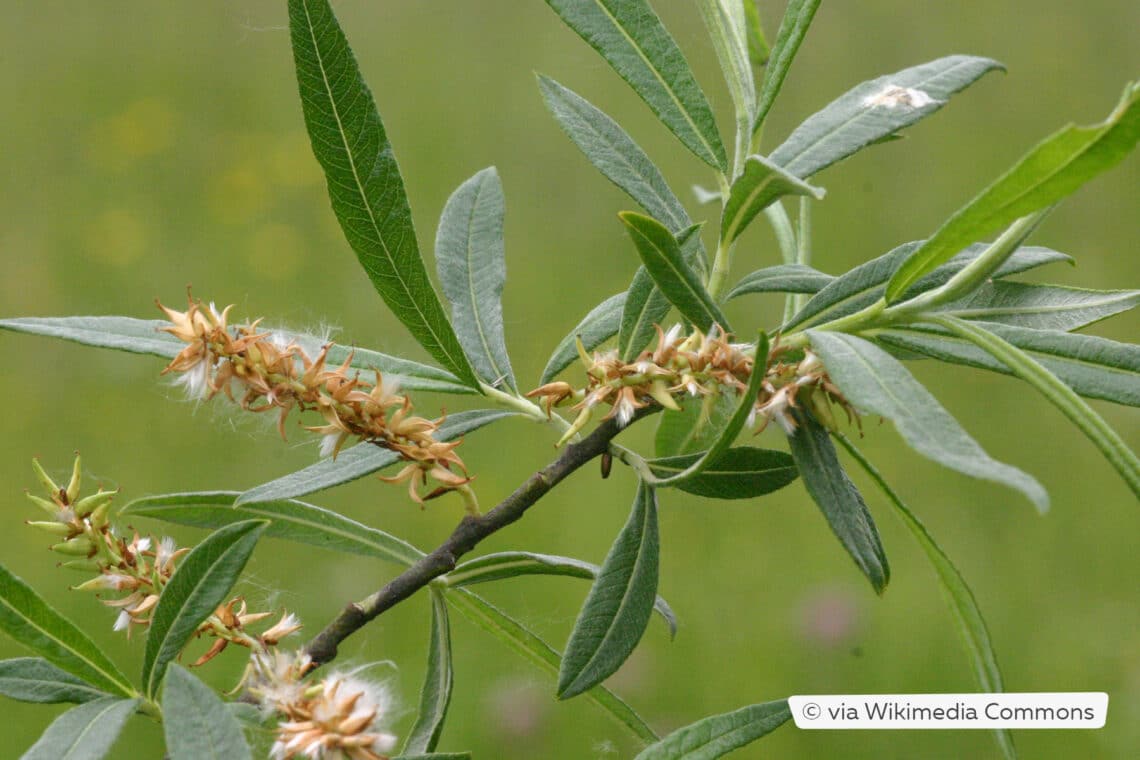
466, 536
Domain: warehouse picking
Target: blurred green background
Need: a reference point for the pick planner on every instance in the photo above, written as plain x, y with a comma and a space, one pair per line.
150, 145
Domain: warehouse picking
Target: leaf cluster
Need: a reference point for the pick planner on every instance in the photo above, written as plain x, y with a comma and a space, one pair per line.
948, 297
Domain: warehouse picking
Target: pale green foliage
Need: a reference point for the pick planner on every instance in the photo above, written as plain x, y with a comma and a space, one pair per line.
948, 297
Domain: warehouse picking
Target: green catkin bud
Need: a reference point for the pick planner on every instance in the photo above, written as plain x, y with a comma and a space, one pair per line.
73, 485
80, 546
89, 504
99, 516
51, 526
579, 423
95, 584
662, 396
47, 482
47, 506
582, 353
82, 565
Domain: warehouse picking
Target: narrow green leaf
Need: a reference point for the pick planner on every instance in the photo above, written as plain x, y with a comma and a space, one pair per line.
728, 29
601, 324
619, 158
758, 49
1093, 367
364, 182
614, 153
1042, 307
628, 34
839, 500
717, 735
732, 428
196, 722
793, 29
136, 336
1055, 168
28, 619
862, 286
34, 679
502, 565
739, 473
959, 597
436, 756
86, 732
877, 383
288, 519
200, 583
760, 185
435, 695
619, 604
782, 278
515, 635
1114, 449
696, 427
665, 263
141, 336
360, 460
471, 261
646, 306
876, 110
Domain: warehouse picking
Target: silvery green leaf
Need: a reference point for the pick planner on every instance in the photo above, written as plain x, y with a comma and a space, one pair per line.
875, 110
862, 286
30, 620
614, 153
630, 36
288, 519
664, 261
717, 735
502, 565
200, 583
876, 383
793, 28
761, 184
472, 268
1092, 366
1041, 307
86, 732
839, 500
364, 182
1084, 417
618, 607
435, 696
34, 679
646, 306
782, 278
197, 723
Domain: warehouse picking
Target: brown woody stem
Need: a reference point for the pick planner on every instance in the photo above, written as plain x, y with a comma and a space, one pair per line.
466, 536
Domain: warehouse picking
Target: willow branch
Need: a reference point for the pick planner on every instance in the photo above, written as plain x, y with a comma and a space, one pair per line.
466, 536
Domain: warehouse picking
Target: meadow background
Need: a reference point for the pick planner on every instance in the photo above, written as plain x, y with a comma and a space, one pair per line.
148, 145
